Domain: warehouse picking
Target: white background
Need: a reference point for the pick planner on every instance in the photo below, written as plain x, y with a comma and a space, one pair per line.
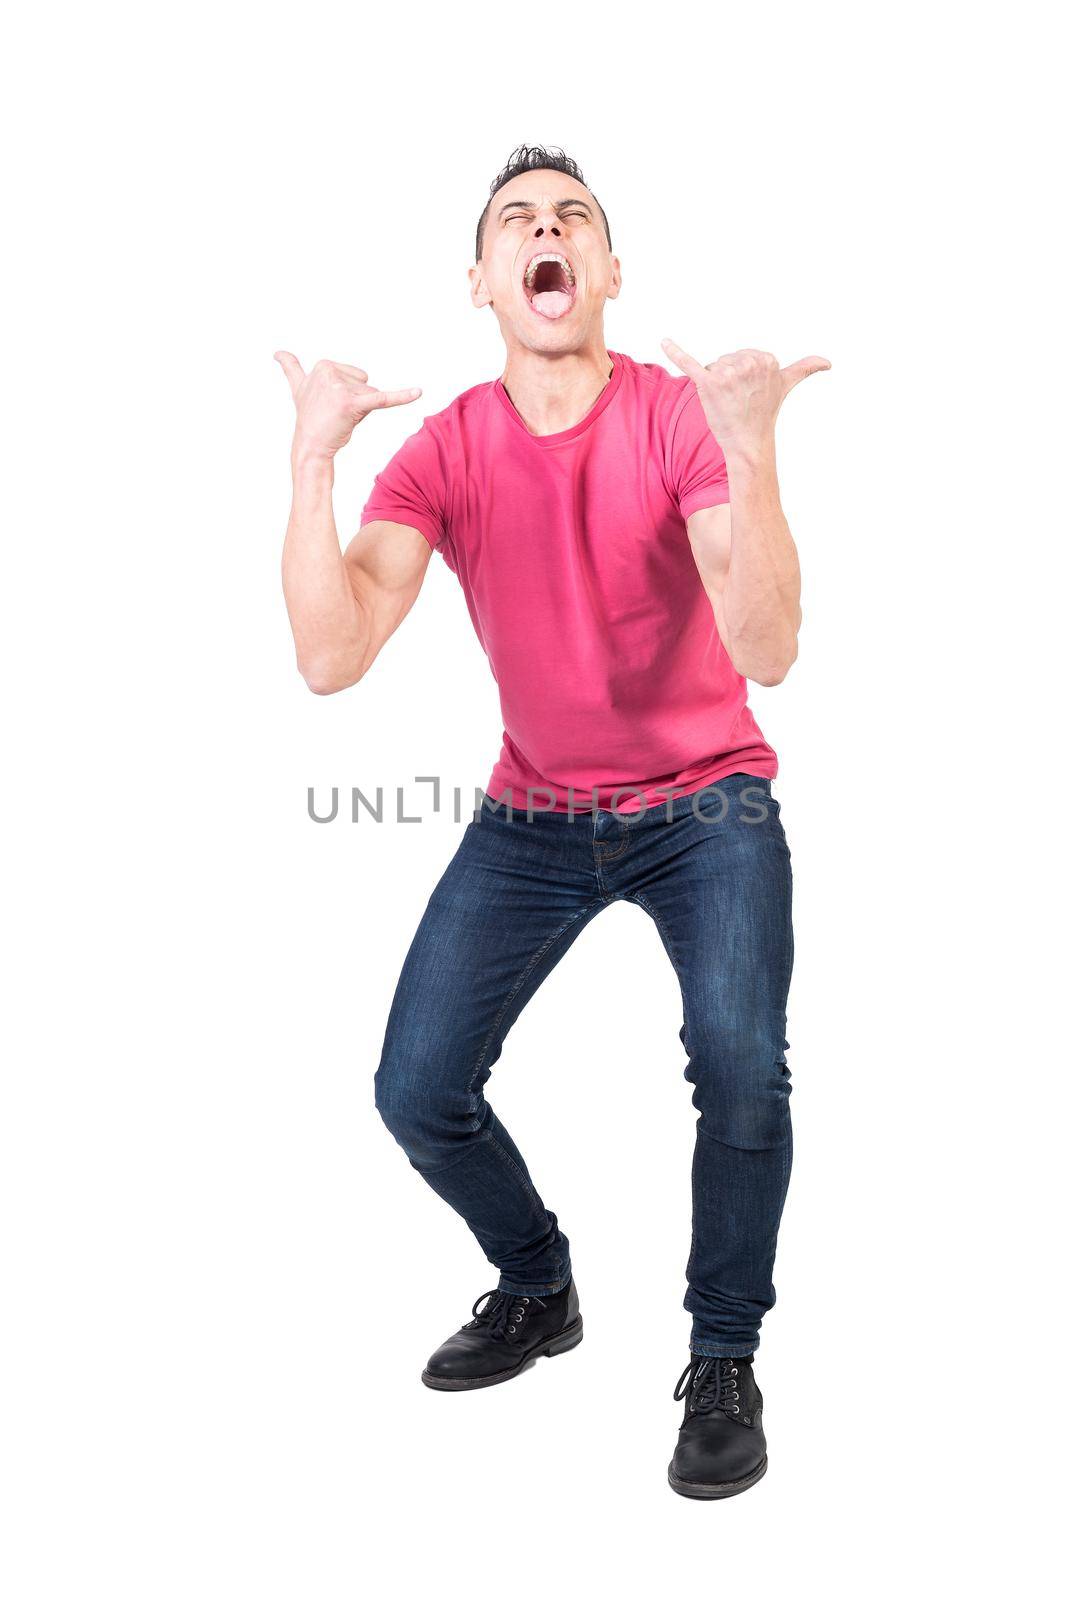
222, 1278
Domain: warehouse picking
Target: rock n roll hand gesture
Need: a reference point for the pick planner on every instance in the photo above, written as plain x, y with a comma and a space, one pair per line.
741, 394
744, 550
330, 400
342, 606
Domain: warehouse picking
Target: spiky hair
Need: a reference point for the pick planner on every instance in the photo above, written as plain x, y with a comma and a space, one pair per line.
533, 158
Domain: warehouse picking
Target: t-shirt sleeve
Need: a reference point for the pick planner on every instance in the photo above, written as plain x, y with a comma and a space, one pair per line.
411, 488
696, 466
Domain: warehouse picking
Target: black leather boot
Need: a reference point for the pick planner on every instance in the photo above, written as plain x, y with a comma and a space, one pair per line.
721, 1448
511, 1332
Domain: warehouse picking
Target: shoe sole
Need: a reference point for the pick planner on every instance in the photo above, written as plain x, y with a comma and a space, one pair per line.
716, 1491
554, 1345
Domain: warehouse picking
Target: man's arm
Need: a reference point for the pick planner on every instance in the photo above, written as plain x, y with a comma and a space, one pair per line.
342, 608
748, 564
744, 551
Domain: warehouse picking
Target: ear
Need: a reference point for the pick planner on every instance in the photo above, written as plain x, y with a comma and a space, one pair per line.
480, 295
616, 281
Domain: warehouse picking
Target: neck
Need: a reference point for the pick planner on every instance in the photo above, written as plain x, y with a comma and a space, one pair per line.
554, 392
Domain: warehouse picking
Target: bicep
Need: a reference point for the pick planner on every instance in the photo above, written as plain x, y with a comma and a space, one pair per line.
386, 563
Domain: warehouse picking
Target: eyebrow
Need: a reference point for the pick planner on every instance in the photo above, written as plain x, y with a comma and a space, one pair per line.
528, 205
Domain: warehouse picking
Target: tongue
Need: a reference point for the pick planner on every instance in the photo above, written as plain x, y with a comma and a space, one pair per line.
551, 302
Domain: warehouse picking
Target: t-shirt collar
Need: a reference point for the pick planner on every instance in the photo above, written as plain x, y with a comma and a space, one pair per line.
605, 398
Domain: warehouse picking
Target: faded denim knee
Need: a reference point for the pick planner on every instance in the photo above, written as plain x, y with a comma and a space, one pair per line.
431, 1119
741, 1088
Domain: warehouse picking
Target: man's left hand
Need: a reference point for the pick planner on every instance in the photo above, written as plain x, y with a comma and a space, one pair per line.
741, 393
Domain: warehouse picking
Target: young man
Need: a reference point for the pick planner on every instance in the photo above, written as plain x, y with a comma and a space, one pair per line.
626, 563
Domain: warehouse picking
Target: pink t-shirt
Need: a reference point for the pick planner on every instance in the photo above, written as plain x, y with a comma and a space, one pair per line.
573, 555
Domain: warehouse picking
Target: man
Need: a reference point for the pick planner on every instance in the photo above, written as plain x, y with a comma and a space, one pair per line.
626, 563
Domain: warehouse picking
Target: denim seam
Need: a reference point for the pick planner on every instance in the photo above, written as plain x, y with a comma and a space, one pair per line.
612, 855
486, 1136
672, 956
668, 946
752, 1149
449, 1166
525, 1180
530, 968
527, 972
533, 1289
523, 1177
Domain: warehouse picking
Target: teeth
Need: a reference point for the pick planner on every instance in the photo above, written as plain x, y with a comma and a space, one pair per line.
548, 255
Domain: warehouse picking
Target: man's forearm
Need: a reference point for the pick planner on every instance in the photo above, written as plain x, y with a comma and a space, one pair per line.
761, 601
758, 600
323, 611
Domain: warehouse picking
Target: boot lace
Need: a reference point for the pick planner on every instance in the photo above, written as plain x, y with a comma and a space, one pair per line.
710, 1383
504, 1314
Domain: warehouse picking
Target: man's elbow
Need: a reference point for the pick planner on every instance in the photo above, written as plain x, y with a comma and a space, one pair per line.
770, 671
326, 677
768, 677
322, 685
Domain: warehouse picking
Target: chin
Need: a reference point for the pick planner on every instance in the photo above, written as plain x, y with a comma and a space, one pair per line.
553, 338
557, 343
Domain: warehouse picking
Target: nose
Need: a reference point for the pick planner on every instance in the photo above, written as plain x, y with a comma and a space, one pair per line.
540, 229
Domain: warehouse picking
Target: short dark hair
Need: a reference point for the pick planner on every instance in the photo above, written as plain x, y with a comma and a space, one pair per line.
533, 158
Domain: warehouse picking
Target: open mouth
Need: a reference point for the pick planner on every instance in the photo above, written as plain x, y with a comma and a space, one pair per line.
549, 284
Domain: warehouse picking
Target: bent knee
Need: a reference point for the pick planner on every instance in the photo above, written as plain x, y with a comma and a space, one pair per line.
423, 1113
403, 1101
396, 1106
743, 1099
747, 1122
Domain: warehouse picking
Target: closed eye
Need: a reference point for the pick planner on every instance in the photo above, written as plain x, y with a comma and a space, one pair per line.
525, 216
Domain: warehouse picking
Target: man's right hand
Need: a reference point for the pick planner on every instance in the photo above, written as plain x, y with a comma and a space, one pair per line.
330, 400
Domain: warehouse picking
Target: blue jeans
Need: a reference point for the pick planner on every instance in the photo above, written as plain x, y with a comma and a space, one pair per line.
713, 872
